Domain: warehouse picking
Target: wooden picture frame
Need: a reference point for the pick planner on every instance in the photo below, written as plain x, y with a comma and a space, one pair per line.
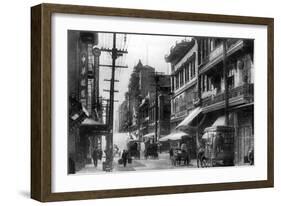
41, 96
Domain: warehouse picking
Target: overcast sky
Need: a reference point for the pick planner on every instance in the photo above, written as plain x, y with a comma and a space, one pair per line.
150, 49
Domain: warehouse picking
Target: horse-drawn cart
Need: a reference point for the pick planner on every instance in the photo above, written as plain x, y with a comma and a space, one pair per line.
217, 148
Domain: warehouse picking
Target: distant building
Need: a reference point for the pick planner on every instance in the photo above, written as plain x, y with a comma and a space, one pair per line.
116, 121
147, 111
146, 79
123, 116
140, 84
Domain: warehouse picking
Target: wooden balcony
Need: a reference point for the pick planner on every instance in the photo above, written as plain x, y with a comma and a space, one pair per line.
239, 95
216, 55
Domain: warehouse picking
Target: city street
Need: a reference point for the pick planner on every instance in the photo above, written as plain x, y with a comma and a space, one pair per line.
181, 101
163, 162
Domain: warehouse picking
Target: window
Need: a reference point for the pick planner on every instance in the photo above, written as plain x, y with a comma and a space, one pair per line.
189, 71
230, 78
192, 64
172, 83
230, 82
181, 78
202, 83
199, 52
186, 73
209, 84
194, 71
174, 106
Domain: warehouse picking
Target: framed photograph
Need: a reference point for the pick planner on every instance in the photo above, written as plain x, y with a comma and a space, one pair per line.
130, 102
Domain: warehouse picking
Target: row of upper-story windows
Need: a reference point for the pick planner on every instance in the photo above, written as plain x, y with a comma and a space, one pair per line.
148, 112
184, 74
205, 46
240, 72
183, 101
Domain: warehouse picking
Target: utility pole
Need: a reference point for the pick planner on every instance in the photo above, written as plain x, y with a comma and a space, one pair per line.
156, 107
157, 79
225, 75
115, 53
129, 111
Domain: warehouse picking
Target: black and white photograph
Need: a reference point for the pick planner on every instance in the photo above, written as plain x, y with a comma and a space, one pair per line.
140, 101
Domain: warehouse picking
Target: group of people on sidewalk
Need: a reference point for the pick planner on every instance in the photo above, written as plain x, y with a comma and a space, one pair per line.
96, 155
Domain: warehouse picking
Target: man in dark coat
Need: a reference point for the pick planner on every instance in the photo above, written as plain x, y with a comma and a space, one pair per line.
125, 157
95, 156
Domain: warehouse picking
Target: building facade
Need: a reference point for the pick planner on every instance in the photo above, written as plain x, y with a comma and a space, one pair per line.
183, 58
184, 70
226, 88
154, 115
123, 116
140, 84
83, 78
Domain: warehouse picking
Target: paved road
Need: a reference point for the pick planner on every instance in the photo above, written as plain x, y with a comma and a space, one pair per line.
163, 162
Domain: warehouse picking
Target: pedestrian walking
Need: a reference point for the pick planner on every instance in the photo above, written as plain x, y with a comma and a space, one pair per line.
251, 156
125, 157
95, 156
171, 152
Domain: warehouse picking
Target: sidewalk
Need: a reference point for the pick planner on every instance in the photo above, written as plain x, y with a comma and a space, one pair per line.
162, 162
90, 168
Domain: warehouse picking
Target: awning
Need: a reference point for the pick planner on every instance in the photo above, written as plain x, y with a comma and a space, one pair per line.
191, 116
89, 121
221, 120
174, 136
205, 136
218, 125
149, 135
85, 111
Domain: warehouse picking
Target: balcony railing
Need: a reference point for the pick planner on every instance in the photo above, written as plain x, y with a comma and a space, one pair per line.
216, 54
246, 91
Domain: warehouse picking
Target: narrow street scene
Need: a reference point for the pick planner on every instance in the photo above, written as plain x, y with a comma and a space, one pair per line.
141, 102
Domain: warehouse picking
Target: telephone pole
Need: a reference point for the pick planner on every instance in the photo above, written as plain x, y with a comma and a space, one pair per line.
115, 53
225, 75
157, 76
